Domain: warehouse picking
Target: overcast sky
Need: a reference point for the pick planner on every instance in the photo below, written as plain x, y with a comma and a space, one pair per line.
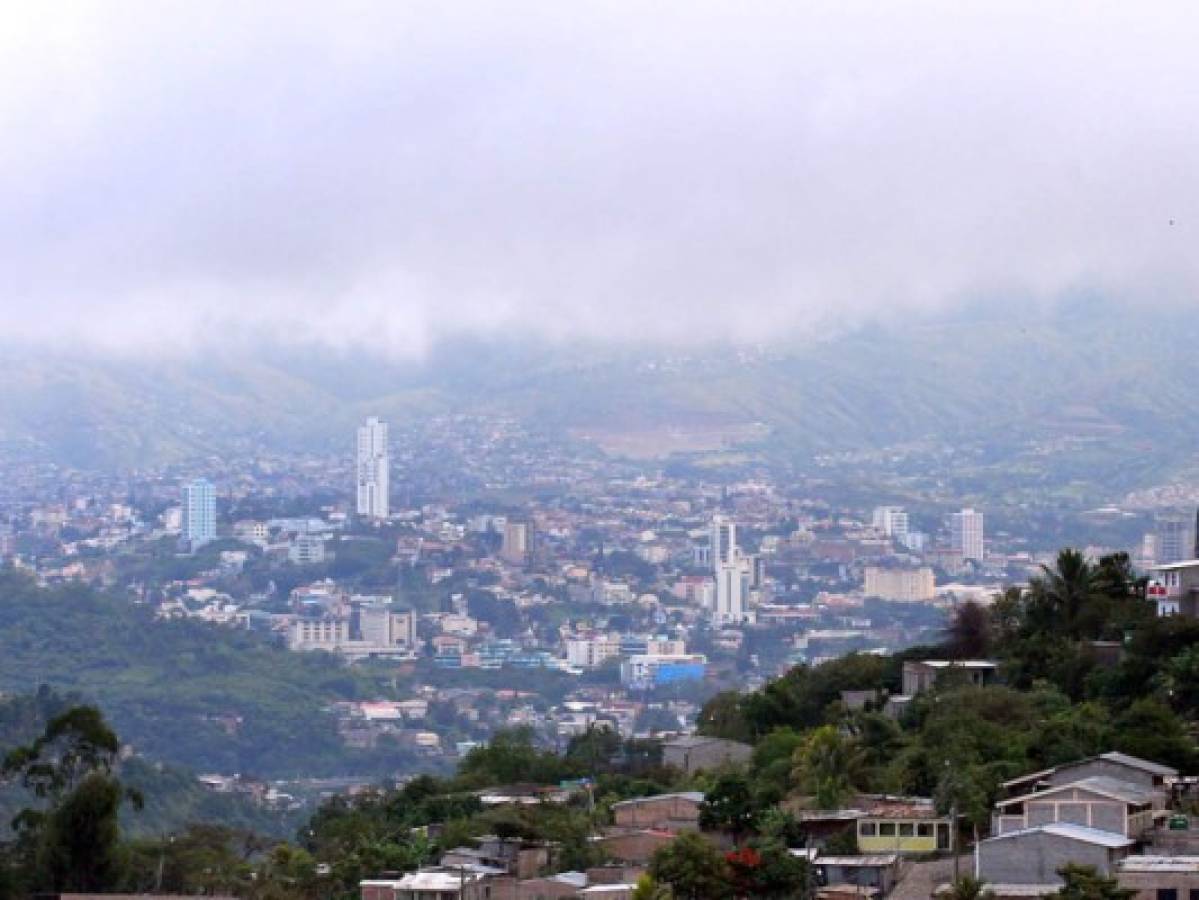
382, 174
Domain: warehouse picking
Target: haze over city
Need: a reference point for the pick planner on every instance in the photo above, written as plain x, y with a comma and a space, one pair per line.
674, 451
384, 175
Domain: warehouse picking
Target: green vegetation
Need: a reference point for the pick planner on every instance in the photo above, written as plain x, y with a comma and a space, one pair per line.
1059, 702
205, 697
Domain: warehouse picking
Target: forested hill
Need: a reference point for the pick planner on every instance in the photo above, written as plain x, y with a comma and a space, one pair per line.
1058, 701
207, 697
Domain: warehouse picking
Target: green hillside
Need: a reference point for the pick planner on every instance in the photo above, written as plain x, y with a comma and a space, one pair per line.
201, 696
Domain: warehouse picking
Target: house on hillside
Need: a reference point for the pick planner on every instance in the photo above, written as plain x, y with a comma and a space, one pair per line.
1098, 802
1175, 589
1033, 856
661, 812
1142, 773
694, 753
924, 674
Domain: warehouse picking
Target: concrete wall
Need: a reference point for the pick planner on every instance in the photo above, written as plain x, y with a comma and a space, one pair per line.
1035, 858
673, 812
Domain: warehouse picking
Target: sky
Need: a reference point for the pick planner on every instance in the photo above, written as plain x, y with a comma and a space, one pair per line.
175, 176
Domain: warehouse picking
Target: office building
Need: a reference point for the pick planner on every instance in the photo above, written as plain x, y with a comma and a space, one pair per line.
1173, 538
892, 521
966, 534
199, 512
374, 466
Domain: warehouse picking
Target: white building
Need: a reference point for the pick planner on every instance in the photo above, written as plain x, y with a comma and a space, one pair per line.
723, 541
731, 589
892, 521
589, 653
966, 533
734, 573
199, 512
374, 465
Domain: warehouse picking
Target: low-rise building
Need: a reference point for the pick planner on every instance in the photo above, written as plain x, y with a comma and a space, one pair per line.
1097, 802
1160, 877
694, 753
924, 674
901, 585
1034, 855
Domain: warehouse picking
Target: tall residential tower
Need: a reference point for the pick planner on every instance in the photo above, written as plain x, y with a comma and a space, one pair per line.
374, 466
966, 533
199, 512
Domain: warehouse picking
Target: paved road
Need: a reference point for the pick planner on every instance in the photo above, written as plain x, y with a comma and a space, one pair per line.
920, 878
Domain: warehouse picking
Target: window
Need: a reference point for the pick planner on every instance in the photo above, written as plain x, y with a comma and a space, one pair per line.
867, 829
1167, 894
1194, 894
886, 829
924, 829
906, 829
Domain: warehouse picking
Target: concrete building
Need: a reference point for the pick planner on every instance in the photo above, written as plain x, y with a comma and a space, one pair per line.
306, 550
901, 585
374, 470
722, 541
879, 872
1160, 877
662, 812
966, 534
694, 753
1098, 802
901, 825
646, 671
591, 652
1175, 588
1033, 856
1174, 538
924, 674
731, 589
1151, 777
892, 521
199, 512
517, 546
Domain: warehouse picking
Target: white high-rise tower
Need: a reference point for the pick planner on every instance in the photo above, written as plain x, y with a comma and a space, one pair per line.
966, 533
374, 465
732, 570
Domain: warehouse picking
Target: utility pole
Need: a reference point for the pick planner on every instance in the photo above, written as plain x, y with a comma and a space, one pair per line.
953, 838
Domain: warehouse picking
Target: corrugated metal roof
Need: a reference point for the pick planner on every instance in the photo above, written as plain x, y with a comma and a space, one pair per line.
1075, 832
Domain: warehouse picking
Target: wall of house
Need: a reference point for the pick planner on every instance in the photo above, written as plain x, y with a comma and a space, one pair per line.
1035, 858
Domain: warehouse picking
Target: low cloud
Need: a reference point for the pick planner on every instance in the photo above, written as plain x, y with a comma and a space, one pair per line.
387, 174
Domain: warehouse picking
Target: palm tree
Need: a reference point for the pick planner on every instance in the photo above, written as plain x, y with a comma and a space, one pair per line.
829, 765
1066, 588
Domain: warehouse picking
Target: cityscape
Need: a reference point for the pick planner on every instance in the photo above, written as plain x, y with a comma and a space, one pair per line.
596, 451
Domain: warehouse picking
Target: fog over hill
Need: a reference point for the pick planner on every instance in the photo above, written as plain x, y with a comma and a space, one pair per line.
1119, 381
